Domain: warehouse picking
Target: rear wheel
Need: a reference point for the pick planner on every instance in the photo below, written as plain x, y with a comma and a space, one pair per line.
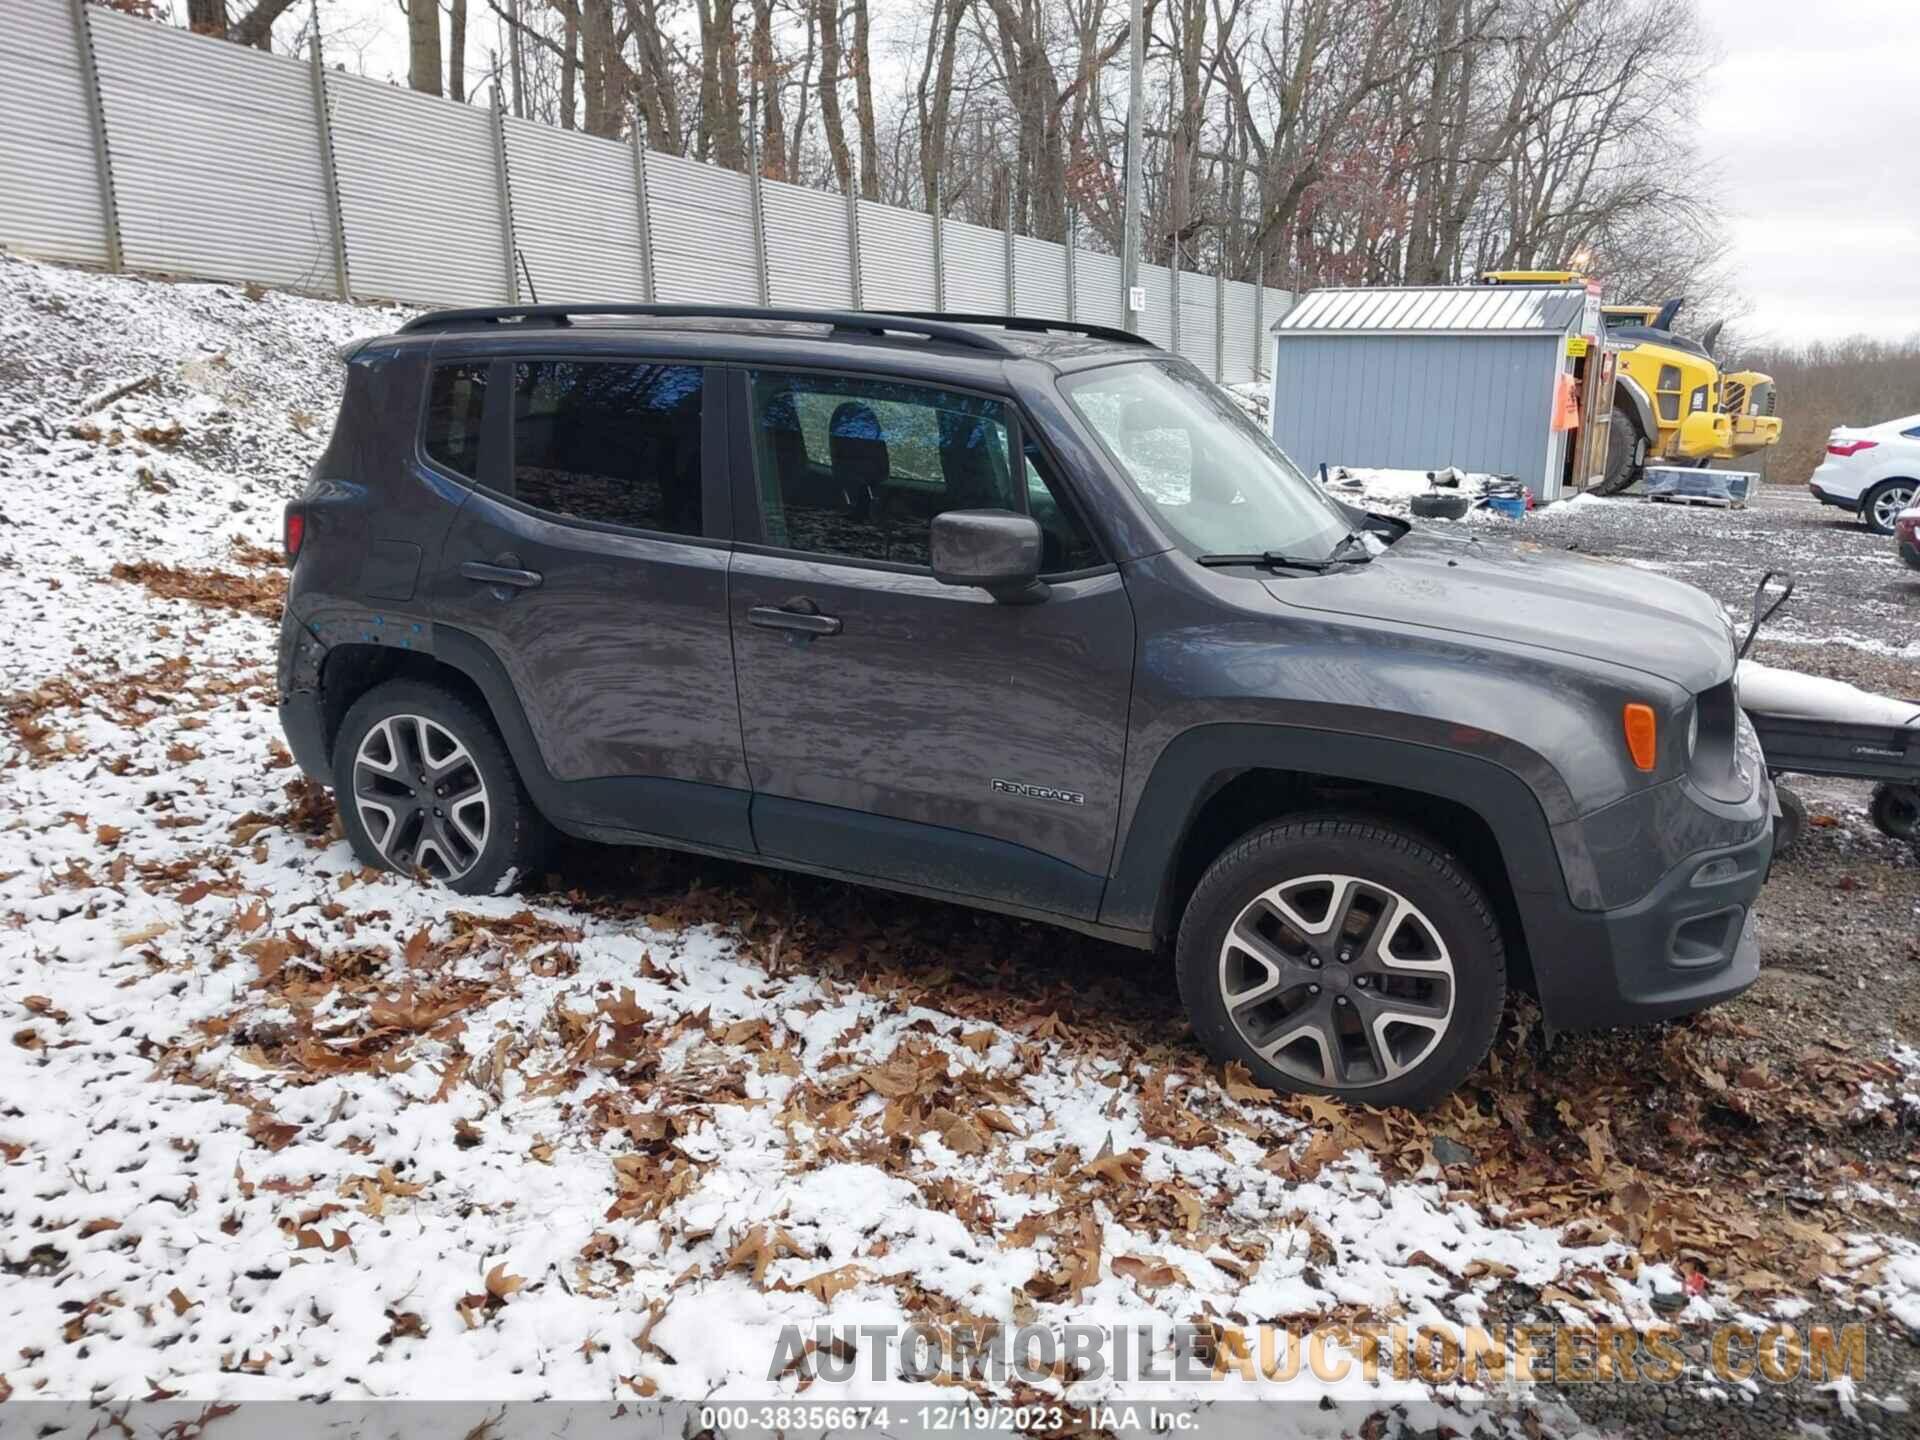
1896, 811
1626, 452
1343, 956
424, 786
1881, 506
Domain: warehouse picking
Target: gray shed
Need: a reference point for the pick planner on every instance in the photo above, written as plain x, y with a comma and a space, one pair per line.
1421, 377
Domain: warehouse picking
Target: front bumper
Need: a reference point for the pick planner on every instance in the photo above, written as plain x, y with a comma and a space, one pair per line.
1910, 549
1667, 927
1687, 944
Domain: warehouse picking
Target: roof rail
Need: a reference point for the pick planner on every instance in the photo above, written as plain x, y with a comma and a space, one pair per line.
933, 327
1028, 323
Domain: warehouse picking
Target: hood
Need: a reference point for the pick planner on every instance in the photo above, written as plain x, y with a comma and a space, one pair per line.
1530, 595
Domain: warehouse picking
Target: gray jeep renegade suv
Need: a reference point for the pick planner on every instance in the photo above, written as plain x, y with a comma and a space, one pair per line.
1027, 616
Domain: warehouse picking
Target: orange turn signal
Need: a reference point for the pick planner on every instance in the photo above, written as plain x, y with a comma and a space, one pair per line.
1639, 723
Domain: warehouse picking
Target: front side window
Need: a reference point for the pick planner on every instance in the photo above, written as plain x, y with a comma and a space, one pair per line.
859, 468
1212, 475
610, 442
456, 402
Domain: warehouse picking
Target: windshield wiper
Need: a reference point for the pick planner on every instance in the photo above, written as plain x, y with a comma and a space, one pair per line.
1270, 557
1356, 543
1282, 560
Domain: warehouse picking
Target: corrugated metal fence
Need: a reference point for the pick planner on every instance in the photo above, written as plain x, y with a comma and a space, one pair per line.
130, 144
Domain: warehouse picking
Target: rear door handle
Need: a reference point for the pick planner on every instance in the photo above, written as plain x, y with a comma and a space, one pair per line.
770, 618
500, 575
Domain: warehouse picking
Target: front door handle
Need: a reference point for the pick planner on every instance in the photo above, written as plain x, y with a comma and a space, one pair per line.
771, 618
501, 575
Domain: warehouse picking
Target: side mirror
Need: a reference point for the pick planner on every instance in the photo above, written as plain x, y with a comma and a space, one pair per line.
996, 550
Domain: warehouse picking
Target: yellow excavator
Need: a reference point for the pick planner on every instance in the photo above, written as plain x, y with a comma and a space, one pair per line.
1671, 403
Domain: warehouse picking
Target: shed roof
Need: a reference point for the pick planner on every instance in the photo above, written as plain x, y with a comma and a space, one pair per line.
1438, 310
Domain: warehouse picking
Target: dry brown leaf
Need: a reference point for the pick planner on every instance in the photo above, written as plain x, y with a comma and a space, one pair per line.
959, 1134
1240, 1084
500, 1284
1147, 1272
829, 1283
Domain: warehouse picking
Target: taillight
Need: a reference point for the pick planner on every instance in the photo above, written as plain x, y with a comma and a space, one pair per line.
295, 532
1844, 448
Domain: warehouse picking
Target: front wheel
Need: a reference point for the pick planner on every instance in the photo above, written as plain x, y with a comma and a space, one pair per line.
1343, 956
1626, 453
425, 786
1792, 821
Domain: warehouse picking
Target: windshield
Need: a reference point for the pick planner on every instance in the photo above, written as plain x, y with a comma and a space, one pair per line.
1208, 471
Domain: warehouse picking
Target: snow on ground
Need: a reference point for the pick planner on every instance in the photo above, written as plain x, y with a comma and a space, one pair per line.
273, 1125
279, 1126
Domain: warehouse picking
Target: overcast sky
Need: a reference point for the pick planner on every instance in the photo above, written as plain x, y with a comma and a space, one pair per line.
1810, 124
1813, 122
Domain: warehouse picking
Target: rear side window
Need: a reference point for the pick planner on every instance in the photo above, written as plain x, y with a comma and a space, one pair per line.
456, 401
618, 444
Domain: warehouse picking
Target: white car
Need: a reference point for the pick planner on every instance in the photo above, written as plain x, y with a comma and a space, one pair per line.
1873, 470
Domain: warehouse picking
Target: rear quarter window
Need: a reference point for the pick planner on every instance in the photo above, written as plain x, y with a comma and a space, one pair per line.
456, 404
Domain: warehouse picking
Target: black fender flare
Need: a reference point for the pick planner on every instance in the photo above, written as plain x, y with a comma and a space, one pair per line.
1198, 762
1628, 389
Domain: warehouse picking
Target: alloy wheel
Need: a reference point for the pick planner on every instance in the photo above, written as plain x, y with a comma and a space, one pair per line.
1888, 504
420, 796
1337, 981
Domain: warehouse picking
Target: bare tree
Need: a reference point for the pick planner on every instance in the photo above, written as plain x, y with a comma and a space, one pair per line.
255, 27
423, 45
457, 50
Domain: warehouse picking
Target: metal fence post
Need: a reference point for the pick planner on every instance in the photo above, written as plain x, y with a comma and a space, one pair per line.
1219, 320
504, 189
329, 172
1073, 286
97, 123
939, 256
756, 201
853, 243
1259, 311
1006, 237
1173, 318
645, 212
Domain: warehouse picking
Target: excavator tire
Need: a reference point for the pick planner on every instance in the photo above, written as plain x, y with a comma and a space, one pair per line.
1626, 452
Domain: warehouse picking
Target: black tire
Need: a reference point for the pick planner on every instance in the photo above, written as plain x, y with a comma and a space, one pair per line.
1626, 452
1886, 498
417, 842
1447, 905
1895, 810
1440, 505
1792, 824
